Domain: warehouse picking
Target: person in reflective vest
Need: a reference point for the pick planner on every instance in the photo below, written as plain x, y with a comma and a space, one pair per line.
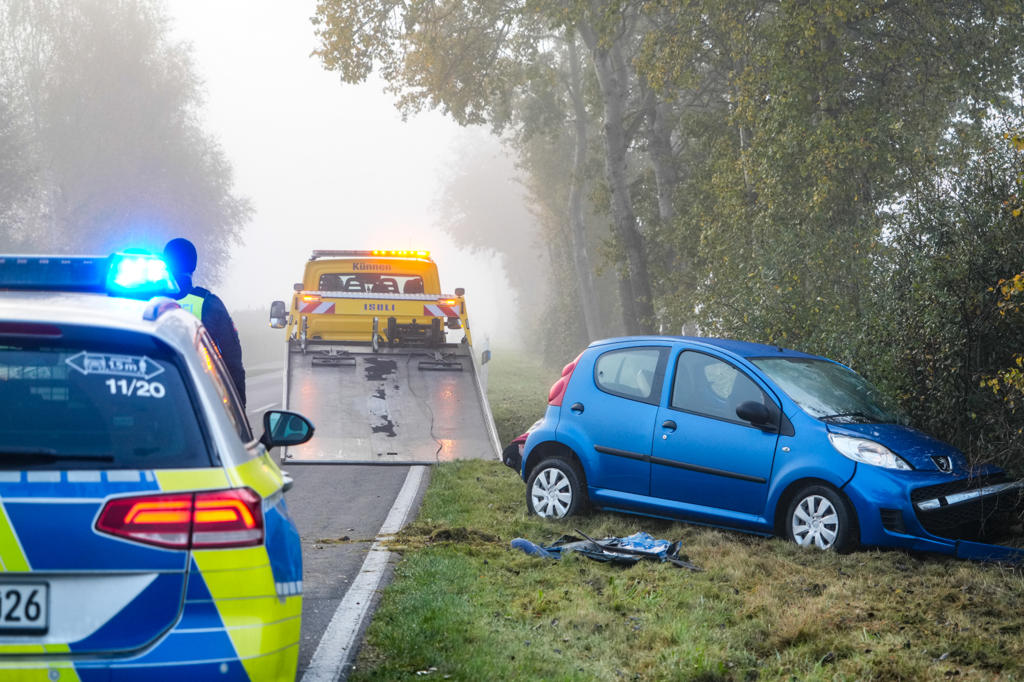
181, 256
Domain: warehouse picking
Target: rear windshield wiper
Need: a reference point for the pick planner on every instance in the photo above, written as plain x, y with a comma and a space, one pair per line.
50, 455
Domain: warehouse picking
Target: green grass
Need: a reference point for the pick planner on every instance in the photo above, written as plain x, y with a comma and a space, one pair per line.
518, 391
468, 607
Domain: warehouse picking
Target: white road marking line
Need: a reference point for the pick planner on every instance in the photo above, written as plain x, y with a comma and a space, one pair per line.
258, 410
337, 643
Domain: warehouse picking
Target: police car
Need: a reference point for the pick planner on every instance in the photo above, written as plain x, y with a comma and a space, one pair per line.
143, 528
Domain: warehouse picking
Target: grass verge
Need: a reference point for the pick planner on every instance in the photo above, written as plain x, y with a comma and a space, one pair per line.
464, 606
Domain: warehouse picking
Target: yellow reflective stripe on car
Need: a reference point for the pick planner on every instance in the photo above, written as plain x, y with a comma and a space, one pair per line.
12, 557
258, 622
174, 480
276, 665
261, 639
260, 474
37, 671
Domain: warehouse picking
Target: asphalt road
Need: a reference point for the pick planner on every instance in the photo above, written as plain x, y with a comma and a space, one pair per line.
338, 509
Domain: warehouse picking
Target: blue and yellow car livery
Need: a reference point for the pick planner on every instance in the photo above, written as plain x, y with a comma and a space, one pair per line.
143, 529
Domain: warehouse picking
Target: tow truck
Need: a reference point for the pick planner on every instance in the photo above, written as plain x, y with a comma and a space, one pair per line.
382, 360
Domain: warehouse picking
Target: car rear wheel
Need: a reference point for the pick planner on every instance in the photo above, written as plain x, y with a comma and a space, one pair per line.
820, 517
555, 489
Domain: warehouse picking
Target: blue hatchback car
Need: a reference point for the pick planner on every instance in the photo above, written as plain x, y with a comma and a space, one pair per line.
756, 438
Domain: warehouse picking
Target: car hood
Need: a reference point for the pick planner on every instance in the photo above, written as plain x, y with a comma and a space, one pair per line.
921, 451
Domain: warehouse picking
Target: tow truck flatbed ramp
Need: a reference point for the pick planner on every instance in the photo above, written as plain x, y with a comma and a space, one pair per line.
390, 406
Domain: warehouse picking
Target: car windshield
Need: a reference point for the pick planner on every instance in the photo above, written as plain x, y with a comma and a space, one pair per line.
371, 283
95, 404
828, 391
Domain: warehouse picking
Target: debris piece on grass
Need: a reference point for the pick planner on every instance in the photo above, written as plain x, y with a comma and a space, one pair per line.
626, 551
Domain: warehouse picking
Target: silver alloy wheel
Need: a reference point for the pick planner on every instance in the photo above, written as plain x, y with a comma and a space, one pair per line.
815, 522
551, 493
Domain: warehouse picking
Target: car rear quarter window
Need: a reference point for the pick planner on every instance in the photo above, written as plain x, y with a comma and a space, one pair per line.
711, 387
96, 400
634, 373
213, 365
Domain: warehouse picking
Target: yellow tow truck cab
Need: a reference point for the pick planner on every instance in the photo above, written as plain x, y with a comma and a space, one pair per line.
376, 297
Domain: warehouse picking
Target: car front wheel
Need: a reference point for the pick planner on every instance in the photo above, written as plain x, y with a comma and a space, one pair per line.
820, 517
555, 489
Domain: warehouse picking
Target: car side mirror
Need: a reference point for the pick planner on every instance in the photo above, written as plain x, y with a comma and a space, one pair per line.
758, 415
459, 291
281, 428
278, 315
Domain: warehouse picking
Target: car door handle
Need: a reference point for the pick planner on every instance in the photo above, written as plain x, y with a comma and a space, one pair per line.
577, 408
668, 424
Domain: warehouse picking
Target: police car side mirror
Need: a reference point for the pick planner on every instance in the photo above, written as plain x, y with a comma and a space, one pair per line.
282, 428
278, 315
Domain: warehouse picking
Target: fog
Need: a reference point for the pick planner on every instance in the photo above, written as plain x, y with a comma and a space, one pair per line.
325, 165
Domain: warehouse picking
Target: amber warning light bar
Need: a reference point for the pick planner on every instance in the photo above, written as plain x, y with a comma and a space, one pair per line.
388, 253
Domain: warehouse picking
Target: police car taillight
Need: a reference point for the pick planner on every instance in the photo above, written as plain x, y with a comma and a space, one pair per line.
557, 391
203, 520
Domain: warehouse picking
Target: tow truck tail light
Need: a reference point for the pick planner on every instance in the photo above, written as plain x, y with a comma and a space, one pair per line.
206, 520
557, 391
310, 298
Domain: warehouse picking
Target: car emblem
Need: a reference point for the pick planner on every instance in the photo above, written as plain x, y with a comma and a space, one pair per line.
943, 462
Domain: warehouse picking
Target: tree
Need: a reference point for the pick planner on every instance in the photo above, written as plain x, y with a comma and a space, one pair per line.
486, 63
111, 108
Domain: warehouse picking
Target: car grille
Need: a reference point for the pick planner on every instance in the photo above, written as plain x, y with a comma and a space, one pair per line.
978, 518
954, 487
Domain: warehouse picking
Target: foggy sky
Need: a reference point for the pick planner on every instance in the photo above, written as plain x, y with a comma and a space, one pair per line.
326, 165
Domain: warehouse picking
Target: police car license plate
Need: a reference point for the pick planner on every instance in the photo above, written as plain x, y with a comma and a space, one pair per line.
24, 607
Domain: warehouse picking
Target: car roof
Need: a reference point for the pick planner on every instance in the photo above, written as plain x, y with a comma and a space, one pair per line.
744, 349
158, 317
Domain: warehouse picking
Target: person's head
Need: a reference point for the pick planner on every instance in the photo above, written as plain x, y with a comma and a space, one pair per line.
181, 256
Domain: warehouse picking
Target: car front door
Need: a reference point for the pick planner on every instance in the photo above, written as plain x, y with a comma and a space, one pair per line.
611, 414
703, 454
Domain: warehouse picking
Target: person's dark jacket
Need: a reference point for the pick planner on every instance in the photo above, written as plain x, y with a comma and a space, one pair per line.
222, 330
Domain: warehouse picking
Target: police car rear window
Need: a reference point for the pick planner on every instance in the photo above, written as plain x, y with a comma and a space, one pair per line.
94, 400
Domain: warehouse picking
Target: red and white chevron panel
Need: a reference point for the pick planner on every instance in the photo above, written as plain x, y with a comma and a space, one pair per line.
316, 307
438, 310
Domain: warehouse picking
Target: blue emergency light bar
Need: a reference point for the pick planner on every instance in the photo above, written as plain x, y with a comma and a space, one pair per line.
129, 274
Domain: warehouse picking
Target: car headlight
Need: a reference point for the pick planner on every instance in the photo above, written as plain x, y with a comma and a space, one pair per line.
868, 452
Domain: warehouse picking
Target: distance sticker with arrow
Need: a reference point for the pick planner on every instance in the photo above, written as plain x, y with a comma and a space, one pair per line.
109, 364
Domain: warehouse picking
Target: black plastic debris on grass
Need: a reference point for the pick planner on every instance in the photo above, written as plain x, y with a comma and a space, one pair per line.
625, 551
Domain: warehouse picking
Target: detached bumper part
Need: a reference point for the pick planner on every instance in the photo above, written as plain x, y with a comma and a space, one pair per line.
512, 456
959, 498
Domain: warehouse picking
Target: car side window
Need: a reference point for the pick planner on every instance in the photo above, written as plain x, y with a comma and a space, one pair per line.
633, 373
214, 366
708, 386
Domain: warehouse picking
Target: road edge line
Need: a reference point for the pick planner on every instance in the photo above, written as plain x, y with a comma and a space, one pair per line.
336, 644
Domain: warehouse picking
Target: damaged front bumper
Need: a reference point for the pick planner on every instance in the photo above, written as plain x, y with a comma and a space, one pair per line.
972, 517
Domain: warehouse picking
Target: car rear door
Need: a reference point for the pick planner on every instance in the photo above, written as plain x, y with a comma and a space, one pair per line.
608, 412
704, 454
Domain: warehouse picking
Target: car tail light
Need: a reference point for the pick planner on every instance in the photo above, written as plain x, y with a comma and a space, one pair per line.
557, 391
205, 520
